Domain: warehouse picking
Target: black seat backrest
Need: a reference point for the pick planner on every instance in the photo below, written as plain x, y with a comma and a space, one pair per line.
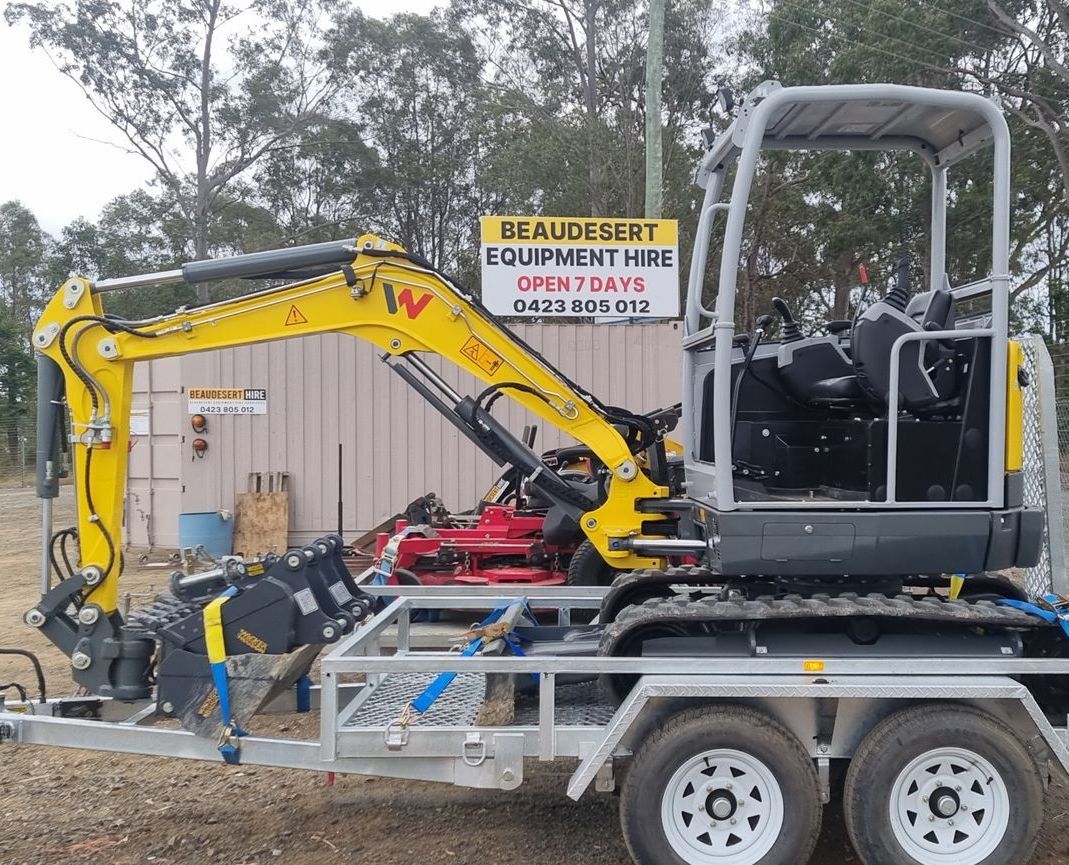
933, 310
876, 331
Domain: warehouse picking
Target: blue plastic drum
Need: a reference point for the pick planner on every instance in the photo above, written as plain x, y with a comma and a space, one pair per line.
211, 530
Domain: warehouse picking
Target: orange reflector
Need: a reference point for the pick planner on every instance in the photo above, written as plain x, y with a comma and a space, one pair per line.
813, 666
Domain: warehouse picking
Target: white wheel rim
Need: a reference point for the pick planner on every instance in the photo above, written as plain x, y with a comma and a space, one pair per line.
722, 807
949, 807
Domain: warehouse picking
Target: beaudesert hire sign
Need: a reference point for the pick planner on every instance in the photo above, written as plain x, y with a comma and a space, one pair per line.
566, 266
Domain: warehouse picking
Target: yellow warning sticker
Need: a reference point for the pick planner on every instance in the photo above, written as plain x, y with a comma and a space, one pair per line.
295, 316
482, 355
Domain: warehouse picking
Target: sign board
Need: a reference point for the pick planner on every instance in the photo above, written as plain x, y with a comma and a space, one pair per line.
140, 422
563, 266
227, 400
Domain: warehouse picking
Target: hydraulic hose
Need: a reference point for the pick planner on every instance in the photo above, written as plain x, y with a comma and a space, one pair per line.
32, 658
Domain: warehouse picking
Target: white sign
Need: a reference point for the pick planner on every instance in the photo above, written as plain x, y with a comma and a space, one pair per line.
227, 400
564, 266
140, 422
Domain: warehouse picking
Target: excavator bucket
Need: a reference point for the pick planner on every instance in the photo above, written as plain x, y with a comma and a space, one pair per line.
253, 682
241, 635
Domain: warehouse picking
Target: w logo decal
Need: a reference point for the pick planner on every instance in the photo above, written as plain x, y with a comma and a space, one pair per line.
406, 299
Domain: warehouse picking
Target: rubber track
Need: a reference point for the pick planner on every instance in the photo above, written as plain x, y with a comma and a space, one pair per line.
683, 610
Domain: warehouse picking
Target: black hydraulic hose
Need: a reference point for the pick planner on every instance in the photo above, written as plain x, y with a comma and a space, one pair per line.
32, 658
111, 325
72, 533
644, 427
21, 691
494, 391
762, 323
61, 538
92, 510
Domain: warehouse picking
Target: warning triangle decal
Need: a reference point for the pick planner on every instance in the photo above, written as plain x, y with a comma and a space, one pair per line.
295, 316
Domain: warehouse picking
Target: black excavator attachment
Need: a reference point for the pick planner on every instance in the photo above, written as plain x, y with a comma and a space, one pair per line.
277, 615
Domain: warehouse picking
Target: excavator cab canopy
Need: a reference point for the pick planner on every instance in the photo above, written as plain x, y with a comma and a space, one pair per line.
894, 416
866, 117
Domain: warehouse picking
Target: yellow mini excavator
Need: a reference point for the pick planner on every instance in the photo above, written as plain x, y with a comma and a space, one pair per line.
854, 469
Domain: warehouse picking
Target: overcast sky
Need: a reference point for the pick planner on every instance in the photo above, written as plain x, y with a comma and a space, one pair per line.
53, 154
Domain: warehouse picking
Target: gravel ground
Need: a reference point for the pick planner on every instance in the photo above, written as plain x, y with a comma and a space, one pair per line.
59, 806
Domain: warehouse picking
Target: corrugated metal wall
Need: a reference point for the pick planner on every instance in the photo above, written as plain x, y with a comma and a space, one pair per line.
329, 390
154, 484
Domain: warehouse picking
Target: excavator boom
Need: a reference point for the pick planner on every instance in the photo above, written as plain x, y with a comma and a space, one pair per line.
373, 290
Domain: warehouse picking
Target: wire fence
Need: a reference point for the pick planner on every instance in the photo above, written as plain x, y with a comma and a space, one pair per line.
1059, 355
17, 450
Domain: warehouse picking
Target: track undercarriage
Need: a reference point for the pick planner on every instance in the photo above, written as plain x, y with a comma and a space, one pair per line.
692, 611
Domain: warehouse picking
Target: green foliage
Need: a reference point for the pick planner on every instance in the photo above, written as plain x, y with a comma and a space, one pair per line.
319, 123
16, 373
23, 265
418, 95
201, 116
814, 217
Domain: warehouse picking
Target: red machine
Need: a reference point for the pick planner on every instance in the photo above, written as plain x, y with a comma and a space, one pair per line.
502, 542
500, 545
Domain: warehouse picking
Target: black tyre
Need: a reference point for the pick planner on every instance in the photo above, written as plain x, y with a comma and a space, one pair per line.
943, 785
724, 785
588, 568
405, 577
991, 587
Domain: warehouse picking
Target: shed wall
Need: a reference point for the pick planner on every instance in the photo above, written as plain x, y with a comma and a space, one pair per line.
330, 390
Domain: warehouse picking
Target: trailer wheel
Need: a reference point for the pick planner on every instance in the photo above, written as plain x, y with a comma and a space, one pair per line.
943, 785
721, 786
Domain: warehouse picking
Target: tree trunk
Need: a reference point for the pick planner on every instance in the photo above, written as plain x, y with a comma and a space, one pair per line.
201, 211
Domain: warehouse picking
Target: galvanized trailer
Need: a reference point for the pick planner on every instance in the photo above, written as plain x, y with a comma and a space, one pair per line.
828, 705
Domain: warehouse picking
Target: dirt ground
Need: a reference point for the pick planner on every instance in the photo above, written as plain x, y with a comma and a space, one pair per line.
61, 806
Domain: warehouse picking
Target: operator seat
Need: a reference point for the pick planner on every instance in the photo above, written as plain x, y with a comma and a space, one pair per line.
928, 377
803, 360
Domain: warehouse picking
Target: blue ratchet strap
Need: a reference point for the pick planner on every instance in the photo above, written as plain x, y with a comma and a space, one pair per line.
1058, 615
443, 680
382, 574
213, 638
304, 694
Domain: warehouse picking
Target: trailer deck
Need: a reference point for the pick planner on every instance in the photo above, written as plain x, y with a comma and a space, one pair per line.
829, 703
